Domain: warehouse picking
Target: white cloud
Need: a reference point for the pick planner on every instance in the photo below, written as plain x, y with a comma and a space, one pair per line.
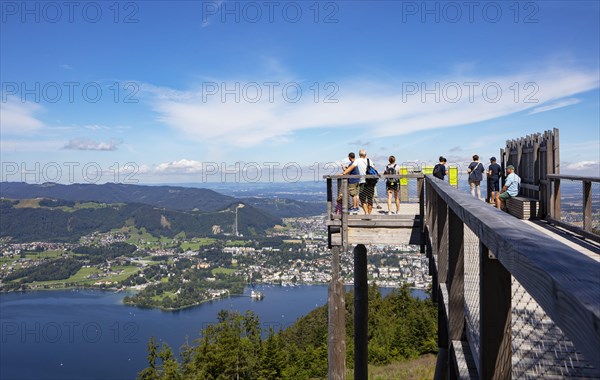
98, 127
181, 166
85, 144
555, 105
66, 66
18, 118
587, 166
384, 108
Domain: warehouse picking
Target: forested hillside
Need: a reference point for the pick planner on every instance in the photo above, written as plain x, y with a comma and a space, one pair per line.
400, 327
34, 222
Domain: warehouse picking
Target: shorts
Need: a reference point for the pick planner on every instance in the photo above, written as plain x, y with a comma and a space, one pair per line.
392, 187
353, 189
494, 184
366, 193
505, 195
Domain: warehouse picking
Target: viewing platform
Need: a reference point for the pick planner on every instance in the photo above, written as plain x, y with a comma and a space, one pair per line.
382, 226
516, 298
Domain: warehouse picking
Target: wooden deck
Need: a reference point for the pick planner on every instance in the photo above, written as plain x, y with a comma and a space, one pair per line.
379, 227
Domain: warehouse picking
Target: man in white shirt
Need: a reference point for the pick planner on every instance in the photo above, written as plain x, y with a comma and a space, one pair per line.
511, 187
366, 192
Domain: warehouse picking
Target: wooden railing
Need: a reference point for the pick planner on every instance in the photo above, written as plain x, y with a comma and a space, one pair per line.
561, 280
555, 216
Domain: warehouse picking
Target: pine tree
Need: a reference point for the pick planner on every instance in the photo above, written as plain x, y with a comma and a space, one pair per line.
170, 366
150, 373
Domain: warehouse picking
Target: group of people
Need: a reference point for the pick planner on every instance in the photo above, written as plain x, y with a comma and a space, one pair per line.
475, 171
362, 190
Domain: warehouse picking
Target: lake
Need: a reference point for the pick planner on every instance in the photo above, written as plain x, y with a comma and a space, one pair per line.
87, 334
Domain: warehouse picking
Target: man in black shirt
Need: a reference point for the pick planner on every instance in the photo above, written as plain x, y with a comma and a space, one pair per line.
475, 171
494, 171
439, 170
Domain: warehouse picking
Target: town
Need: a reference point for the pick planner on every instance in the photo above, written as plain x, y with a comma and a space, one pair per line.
293, 254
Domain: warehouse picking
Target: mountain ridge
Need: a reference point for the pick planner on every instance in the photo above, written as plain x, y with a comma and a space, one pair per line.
171, 197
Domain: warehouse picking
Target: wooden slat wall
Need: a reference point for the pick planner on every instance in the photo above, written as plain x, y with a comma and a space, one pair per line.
534, 158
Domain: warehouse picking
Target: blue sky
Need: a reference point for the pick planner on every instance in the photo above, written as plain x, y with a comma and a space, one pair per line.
177, 89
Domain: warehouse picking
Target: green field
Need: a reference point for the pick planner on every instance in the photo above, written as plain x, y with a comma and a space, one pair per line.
196, 244
44, 255
136, 234
80, 278
227, 271
236, 243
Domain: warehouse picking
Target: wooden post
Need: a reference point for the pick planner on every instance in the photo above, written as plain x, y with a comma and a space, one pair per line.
535, 167
495, 318
337, 324
442, 275
361, 314
456, 276
556, 214
587, 206
344, 230
433, 235
421, 191
330, 198
549, 169
442, 240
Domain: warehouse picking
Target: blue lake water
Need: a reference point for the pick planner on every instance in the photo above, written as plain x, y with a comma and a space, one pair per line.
87, 334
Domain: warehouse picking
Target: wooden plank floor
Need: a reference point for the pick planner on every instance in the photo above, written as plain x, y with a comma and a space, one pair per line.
587, 248
381, 208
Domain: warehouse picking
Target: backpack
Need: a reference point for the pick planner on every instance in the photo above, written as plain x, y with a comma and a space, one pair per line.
391, 170
371, 171
438, 172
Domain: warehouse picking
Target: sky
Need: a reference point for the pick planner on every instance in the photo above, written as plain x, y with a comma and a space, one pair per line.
209, 91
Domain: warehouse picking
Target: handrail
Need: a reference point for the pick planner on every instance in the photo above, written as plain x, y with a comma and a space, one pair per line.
555, 216
564, 282
349, 176
574, 177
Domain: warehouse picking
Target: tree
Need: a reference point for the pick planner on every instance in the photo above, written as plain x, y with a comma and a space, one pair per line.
150, 372
170, 366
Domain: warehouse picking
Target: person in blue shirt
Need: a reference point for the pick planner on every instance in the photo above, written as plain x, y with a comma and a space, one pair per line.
475, 171
493, 179
352, 169
510, 188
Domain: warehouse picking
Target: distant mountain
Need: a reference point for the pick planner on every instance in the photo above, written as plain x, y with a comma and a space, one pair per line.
285, 208
175, 198
170, 197
31, 221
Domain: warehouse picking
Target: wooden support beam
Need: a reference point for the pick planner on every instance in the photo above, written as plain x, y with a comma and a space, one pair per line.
587, 206
337, 324
421, 191
456, 276
345, 214
361, 314
329, 197
442, 240
495, 319
556, 214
